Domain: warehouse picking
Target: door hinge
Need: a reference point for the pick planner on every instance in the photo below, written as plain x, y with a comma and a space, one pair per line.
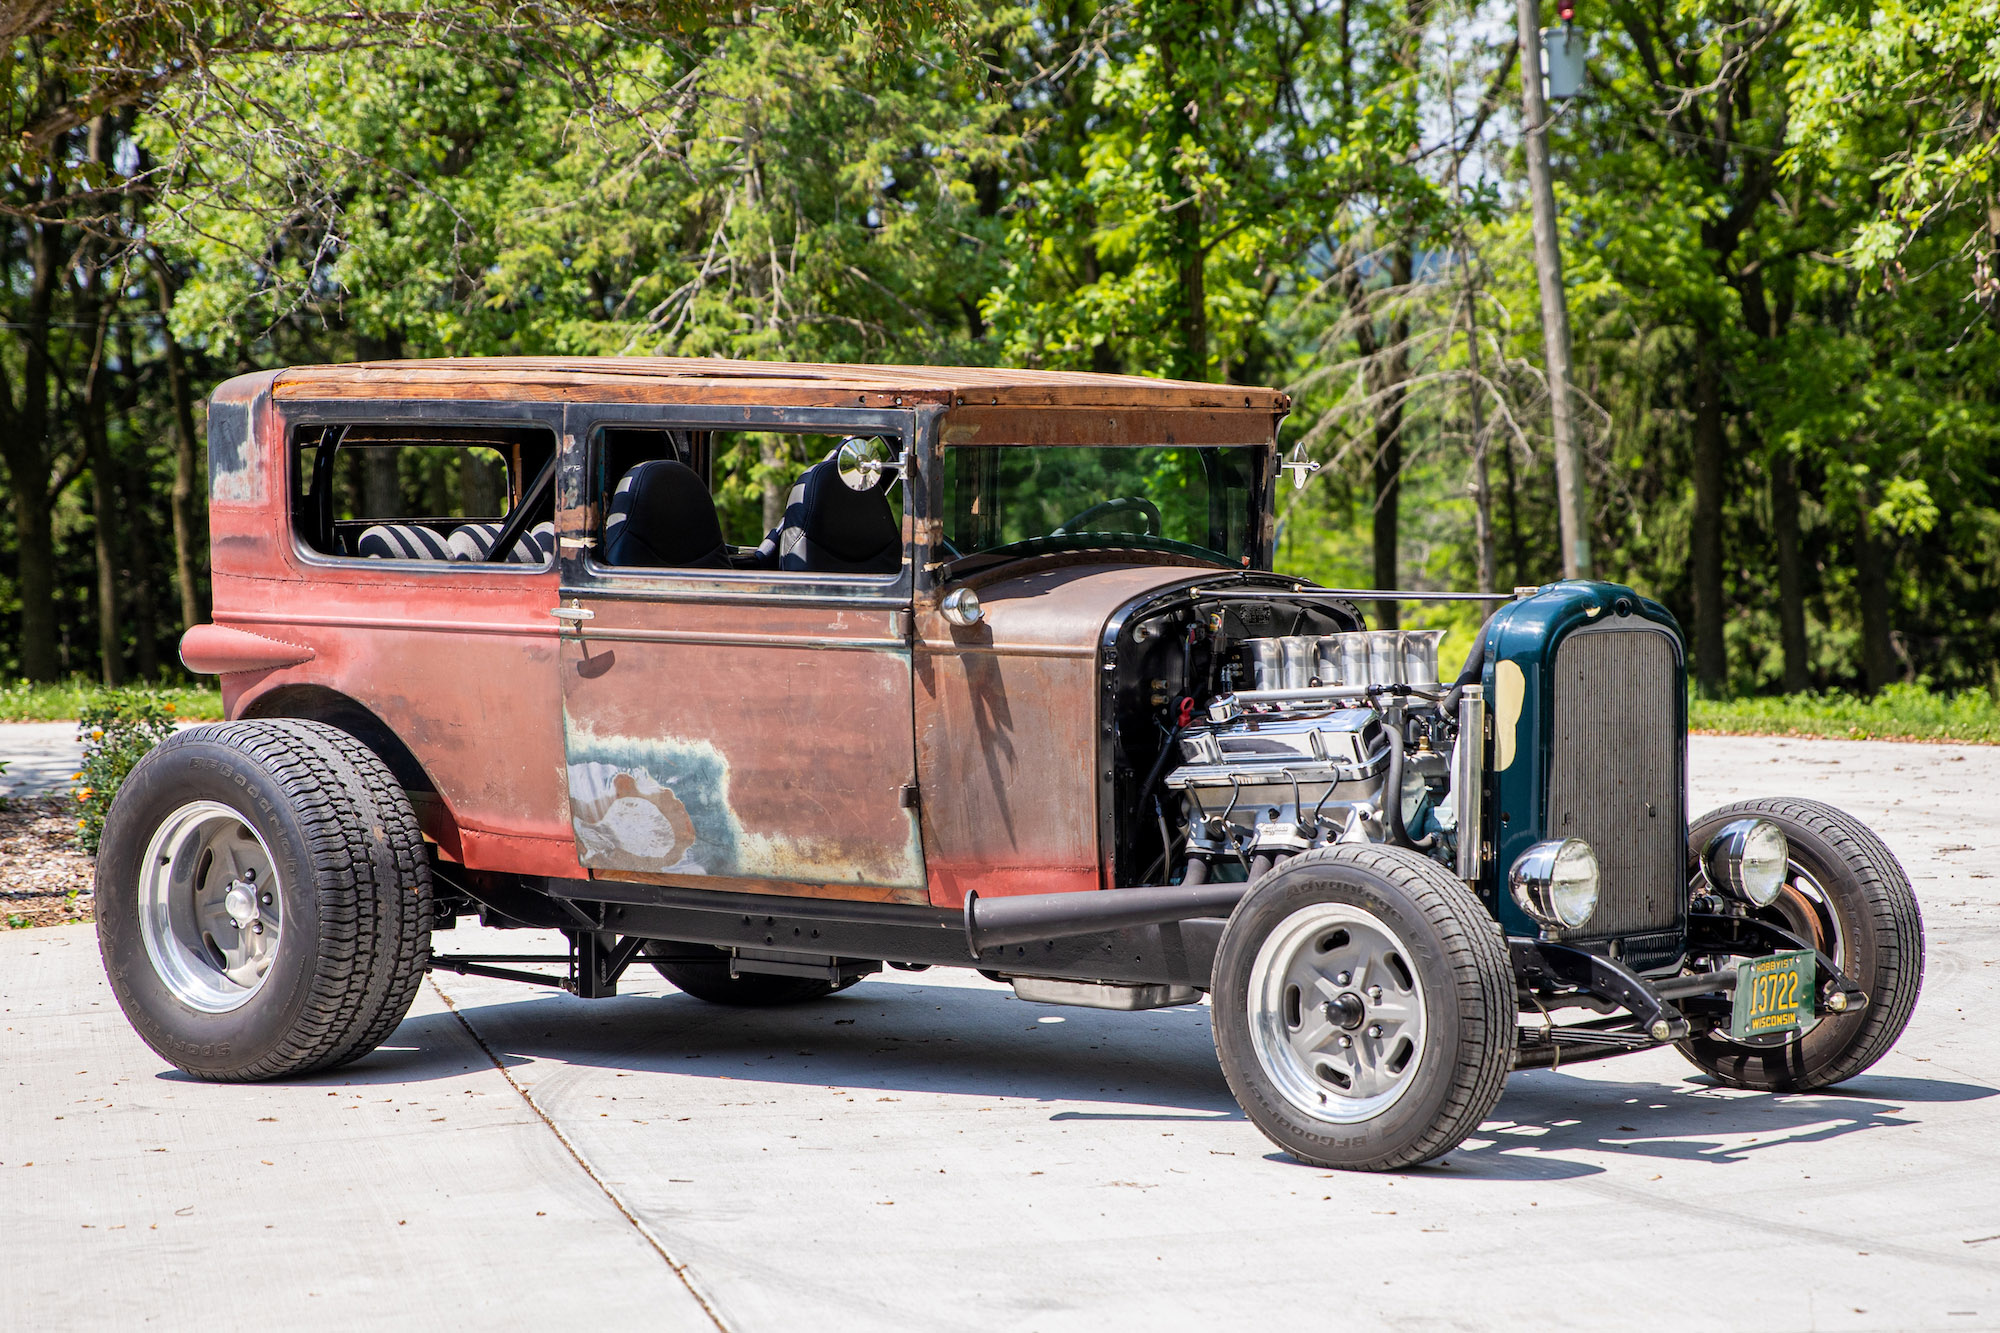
899, 625
911, 797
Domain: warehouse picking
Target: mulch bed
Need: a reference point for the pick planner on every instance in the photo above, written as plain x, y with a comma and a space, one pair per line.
44, 879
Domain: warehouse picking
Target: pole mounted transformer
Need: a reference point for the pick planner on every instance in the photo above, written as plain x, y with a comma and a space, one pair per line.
1572, 510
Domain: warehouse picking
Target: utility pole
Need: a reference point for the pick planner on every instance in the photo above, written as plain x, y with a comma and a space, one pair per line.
1571, 511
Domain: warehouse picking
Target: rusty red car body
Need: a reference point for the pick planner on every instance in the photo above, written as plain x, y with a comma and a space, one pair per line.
839, 740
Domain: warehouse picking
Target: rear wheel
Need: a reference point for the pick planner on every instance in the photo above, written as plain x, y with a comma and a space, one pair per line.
1846, 895
263, 901
703, 972
1364, 1008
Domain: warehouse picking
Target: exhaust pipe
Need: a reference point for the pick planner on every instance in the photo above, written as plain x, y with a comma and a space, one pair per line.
992, 922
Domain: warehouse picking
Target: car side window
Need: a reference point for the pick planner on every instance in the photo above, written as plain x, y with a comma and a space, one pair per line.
391, 491
749, 500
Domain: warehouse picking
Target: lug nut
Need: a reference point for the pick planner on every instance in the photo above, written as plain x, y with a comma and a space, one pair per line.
266, 900
1374, 992
1341, 980
1346, 1042
1375, 1030
257, 927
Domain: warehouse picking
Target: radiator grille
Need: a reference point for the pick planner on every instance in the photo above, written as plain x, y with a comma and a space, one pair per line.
1615, 774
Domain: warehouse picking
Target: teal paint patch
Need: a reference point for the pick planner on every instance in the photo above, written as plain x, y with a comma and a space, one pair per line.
658, 806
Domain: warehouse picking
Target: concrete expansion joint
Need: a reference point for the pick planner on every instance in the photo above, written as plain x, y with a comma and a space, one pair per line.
680, 1270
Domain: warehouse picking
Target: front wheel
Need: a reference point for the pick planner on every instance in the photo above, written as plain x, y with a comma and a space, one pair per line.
1847, 896
1364, 1008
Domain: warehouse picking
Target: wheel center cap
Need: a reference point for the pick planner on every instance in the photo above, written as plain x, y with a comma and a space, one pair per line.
1346, 1011
241, 904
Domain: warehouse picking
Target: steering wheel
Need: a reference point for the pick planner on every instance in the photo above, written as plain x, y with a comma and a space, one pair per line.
1134, 502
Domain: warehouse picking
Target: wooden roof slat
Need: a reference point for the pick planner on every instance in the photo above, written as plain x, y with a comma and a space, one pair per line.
774, 382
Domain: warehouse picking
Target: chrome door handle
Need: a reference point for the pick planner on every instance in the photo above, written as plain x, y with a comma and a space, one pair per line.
573, 614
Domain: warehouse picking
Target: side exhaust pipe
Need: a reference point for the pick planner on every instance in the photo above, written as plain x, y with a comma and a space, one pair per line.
992, 922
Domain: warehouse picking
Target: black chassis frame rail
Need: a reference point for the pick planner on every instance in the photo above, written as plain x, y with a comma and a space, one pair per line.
1660, 1011
609, 923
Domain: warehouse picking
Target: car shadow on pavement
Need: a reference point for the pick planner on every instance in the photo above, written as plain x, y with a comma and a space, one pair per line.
953, 1040
1545, 1115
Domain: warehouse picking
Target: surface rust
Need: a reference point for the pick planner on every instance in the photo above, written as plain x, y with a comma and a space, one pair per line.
758, 740
705, 380
696, 750
1007, 729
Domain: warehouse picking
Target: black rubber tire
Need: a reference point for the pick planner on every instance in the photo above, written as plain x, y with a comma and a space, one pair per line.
356, 895
1881, 947
1456, 948
710, 980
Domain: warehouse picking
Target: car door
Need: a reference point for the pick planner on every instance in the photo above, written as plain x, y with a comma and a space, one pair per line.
738, 729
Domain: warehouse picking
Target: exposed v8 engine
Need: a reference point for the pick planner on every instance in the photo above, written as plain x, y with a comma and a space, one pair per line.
1282, 724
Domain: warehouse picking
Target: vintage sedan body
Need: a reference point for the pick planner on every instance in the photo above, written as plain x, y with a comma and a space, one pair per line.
1006, 682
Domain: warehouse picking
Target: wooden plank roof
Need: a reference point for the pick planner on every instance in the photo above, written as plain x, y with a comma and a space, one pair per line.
683, 379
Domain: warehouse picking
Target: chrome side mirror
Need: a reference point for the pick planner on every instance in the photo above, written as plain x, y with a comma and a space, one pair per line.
862, 462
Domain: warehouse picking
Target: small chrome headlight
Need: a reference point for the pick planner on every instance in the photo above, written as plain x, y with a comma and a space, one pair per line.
1556, 882
1747, 859
961, 607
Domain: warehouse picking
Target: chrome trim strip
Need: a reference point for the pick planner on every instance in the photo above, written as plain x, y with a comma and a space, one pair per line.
1468, 771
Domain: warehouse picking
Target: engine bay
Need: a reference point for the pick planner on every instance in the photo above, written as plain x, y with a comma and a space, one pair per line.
1251, 724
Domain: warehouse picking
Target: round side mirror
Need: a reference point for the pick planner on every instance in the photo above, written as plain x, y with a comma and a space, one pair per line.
862, 463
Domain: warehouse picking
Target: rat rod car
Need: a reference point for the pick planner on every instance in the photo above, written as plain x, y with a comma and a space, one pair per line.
1007, 684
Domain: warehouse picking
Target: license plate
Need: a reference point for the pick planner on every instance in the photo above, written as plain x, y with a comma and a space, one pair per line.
1772, 994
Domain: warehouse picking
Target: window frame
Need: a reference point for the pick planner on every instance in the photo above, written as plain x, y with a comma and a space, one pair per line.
578, 511
455, 413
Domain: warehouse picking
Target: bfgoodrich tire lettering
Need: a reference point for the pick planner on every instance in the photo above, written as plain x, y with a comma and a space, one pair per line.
1875, 933
352, 889
1416, 917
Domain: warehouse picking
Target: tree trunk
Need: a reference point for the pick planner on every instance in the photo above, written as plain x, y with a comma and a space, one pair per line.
97, 297
30, 463
1791, 571
141, 595
1177, 26
1517, 551
1391, 370
1871, 584
185, 503
1711, 659
1482, 473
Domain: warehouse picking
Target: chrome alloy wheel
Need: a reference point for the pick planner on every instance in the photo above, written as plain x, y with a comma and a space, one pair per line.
1337, 1013
209, 906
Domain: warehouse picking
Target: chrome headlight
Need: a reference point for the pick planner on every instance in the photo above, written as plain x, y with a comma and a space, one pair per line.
1556, 882
1747, 859
961, 607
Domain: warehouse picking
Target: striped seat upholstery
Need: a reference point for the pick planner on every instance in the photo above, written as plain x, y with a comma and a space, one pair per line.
473, 540
402, 541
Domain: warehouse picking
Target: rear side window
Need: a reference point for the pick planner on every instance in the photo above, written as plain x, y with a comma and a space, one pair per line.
445, 494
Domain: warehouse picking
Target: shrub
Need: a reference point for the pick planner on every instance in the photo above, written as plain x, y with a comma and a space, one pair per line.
116, 728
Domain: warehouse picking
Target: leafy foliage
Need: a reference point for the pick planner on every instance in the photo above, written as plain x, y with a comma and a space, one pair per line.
116, 728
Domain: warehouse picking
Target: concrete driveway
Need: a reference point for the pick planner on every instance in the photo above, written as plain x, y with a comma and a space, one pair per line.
926, 1152
41, 757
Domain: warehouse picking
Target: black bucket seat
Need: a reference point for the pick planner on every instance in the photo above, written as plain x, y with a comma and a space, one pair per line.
830, 528
661, 515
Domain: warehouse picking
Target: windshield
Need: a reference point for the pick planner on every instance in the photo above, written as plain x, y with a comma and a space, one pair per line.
1019, 499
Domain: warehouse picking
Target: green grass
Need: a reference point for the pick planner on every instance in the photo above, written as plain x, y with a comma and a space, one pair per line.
61, 701
1897, 713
